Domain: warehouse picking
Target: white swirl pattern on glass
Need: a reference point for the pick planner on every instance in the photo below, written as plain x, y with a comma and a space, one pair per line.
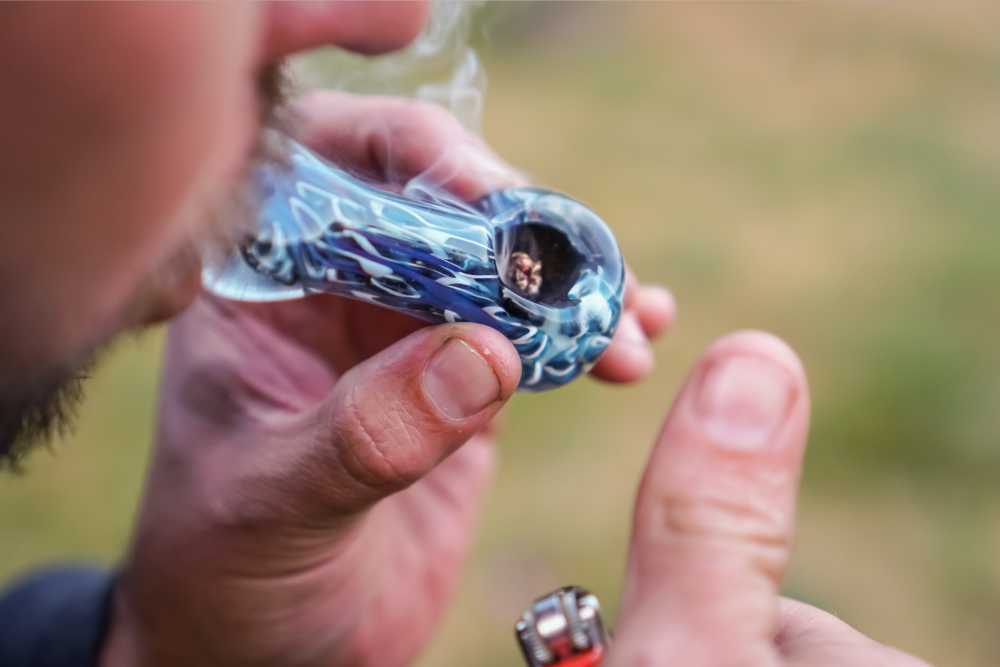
322, 230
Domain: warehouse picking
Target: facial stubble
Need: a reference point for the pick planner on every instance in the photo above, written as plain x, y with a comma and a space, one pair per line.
44, 405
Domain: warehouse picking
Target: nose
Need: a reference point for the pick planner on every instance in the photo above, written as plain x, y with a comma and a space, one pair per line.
358, 25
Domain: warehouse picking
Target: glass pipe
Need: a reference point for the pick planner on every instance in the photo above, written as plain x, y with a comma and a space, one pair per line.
535, 265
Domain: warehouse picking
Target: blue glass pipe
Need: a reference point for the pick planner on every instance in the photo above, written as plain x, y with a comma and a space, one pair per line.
537, 266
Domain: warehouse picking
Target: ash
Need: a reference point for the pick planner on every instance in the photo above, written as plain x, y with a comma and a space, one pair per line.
526, 273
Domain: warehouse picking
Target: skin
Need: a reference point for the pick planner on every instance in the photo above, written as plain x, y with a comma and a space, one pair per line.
714, 524
319, 464
376, 486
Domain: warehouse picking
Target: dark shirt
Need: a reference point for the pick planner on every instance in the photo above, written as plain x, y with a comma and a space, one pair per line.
55, 618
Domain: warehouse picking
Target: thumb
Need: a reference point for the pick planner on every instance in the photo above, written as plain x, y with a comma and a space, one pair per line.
391, 419
714, 514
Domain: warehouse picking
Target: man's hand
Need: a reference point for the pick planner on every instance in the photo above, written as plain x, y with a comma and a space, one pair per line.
713, 527
319, 463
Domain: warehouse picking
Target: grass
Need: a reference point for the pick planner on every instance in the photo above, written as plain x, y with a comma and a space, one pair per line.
830, 173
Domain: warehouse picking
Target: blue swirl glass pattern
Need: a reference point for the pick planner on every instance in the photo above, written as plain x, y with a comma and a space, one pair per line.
535, 265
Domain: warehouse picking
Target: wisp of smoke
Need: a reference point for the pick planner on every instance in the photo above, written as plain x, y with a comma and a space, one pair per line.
439, 67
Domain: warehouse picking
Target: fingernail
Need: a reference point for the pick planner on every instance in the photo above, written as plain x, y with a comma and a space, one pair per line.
630, 331
743, 400
459, 381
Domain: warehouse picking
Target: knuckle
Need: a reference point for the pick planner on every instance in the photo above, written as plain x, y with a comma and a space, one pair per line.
740, 527
242, 511
428, 114
250, 501
379, 449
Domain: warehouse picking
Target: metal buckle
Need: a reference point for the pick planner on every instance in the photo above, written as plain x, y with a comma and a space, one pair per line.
563, 628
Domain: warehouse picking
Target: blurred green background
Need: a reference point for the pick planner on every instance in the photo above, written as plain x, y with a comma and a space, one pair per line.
828, 172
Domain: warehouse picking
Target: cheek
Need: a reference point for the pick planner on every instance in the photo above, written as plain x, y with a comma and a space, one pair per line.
197, 131
200, 131
154, 116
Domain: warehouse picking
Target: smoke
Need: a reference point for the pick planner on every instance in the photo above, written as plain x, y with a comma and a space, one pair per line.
440, 67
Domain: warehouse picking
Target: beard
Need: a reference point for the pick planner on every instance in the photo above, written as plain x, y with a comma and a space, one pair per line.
36, 407
35, 412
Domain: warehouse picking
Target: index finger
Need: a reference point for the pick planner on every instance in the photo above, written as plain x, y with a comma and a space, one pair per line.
396, 140
714, 514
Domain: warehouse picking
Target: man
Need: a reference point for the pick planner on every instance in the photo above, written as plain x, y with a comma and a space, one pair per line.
319, 463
